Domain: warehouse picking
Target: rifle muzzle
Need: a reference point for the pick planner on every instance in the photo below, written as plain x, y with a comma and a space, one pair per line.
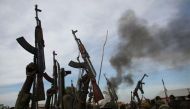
77, 65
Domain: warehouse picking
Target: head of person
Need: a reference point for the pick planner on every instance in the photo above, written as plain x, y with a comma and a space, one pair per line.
172, 97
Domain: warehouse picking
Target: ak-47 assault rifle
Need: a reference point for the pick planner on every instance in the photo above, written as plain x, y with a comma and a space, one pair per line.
55, 73
39, 60
139, 87
62, 73
56, 92
52, 92
88, 67
111, 90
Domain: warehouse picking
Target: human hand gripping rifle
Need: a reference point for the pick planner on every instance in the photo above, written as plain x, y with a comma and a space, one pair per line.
139, 87
39, 59
89, 69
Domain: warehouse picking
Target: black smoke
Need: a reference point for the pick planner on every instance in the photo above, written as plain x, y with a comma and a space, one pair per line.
169, 44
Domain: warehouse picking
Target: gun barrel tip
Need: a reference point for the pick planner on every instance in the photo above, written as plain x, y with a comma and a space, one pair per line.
54, 53
36, 6
74, 31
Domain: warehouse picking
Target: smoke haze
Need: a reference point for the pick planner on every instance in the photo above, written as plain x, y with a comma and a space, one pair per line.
168, 45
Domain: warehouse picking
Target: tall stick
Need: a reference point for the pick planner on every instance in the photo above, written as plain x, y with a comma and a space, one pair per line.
165, 91
102, 57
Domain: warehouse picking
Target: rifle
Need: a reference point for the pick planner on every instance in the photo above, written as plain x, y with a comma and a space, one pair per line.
52, 92
39, 60
55, 73
61, 87
62, 74
139, 87
165, 91
89, 69
111, 90
56, 92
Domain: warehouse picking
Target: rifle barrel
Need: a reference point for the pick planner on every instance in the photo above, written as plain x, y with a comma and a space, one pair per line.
143, 77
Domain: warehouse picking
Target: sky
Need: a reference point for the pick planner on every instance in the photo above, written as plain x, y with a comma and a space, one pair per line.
92, 18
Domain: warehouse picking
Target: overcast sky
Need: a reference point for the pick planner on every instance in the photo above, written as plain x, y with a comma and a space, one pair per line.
92, 18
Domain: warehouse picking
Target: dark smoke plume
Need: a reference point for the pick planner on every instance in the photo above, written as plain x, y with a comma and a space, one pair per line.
169, 45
